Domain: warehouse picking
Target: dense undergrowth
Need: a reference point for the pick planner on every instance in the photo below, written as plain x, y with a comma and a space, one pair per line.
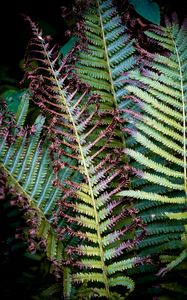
93, 160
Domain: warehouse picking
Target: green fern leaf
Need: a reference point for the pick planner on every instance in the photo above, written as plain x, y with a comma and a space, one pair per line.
157, 124
87, 208
108, 54
28, 168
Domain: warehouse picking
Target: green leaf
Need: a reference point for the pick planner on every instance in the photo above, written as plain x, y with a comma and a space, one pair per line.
148, 9
28, 169
81, 133
157, 129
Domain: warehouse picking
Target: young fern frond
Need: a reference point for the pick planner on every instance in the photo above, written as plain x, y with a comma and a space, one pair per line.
160, 128
92, 213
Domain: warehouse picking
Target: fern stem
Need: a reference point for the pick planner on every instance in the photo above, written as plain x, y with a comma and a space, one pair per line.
107, 57
104, 268
184, 117
109, 68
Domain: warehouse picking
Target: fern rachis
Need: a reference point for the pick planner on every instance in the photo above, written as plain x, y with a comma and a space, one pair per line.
108, 53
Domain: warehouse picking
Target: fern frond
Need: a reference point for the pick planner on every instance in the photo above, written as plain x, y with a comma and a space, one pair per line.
25, 160
27, 166
88, 207
158, 128
108, 54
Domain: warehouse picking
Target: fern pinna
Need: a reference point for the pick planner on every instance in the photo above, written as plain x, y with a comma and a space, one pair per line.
92, 214
158, 155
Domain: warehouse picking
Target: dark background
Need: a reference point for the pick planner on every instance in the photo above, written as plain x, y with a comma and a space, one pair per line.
15, 32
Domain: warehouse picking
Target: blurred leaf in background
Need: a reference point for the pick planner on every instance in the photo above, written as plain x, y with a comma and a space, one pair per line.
12, 98
148, 9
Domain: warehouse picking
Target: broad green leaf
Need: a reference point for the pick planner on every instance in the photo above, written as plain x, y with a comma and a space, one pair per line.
148, 9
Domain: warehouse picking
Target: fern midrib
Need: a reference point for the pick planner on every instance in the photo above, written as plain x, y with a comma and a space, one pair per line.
104, 268
107, 57
184, 116
109, 68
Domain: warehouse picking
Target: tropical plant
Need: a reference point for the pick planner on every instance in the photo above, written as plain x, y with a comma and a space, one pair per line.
110, 116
